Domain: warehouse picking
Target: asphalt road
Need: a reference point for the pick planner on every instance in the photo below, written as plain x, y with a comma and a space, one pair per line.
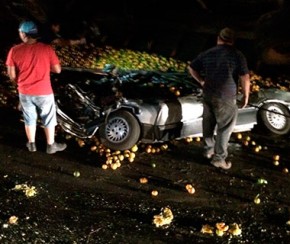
68, 198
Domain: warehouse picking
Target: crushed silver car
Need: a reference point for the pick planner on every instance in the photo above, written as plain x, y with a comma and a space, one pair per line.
126, 107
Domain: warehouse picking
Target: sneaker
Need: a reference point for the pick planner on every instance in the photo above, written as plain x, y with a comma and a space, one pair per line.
55, 147
221, 164
31, 146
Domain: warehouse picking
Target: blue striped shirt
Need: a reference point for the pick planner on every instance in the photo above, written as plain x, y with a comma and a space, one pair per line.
220, 67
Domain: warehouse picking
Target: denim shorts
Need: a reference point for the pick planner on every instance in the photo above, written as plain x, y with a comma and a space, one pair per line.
44, 106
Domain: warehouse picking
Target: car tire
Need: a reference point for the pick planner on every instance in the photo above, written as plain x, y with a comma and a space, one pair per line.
275, 117
121, 131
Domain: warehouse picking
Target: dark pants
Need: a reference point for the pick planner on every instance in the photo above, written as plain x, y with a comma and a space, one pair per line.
219, 119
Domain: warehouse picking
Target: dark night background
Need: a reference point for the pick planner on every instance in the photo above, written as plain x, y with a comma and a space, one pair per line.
178, 29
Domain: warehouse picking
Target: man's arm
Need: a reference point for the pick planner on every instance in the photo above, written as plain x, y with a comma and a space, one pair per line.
245, 84
56, 68
196, 76
11, 72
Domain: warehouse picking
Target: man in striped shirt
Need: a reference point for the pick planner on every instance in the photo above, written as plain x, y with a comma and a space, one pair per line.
219, 71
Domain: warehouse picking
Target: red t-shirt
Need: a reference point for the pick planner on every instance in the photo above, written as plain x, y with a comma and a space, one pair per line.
32, 63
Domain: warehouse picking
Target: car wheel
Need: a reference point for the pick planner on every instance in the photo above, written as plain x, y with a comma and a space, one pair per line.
276, 118
121, 132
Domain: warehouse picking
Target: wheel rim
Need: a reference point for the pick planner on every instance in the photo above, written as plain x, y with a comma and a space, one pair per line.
275, 117
117, 129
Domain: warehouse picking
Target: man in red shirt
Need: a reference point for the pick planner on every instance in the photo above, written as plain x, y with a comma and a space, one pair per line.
29, 64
